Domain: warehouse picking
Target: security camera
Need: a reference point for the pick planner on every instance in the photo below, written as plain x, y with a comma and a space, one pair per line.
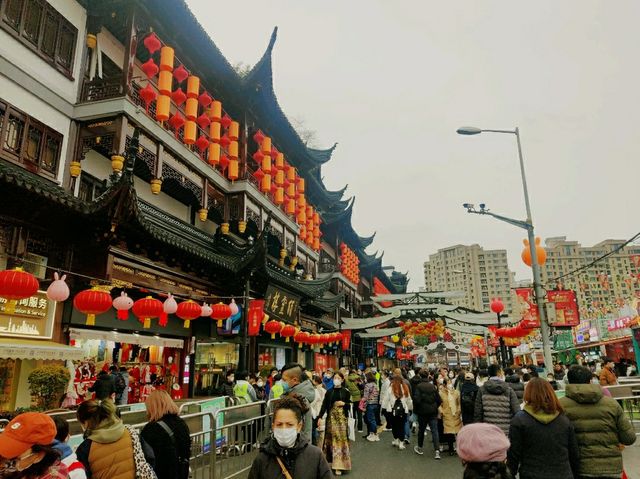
468, 206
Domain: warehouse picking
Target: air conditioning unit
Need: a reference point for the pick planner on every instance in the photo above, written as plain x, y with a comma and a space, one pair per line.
36, 265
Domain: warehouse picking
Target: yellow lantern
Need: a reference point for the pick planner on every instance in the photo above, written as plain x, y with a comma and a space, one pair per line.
75, 169
234, 131
233, 169
166, 59
214, 132
395, 338
191, 108
279, 196
117, 163
280, 178
302, 202
291, 206
92, 41
224, 228
300, 185
156, 186
163, 105
280, 161
266, 164
316, 244
242, 226
266, 145
214, 154
165, 79
202, 214
233, 150
265, 184
190, 130
193, 86
215, 112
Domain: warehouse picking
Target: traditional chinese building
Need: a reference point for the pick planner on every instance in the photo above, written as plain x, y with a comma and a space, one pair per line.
134, 156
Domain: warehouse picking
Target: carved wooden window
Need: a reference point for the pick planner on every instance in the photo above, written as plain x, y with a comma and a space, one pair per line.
43, 29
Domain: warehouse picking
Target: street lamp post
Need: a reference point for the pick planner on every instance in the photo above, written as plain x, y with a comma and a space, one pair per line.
528, 225
497, 307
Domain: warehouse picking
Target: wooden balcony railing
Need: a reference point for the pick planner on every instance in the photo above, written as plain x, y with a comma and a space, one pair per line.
102, 89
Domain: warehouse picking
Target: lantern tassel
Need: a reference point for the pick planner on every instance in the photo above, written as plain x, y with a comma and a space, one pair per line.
147, 323
219, 323
286, 339
187, 323
91, 320
123, 314
164, 319
273, 336
10, 308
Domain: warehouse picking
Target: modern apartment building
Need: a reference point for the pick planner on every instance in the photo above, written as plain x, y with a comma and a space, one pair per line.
599, 288
481, 274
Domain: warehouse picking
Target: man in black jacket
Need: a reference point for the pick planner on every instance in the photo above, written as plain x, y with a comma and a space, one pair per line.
496, 402
468, 394
425, 406
104, 387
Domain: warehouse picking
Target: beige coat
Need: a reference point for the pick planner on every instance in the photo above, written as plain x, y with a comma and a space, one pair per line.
450, 410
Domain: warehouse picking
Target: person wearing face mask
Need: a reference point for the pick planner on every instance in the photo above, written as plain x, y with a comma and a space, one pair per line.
27, 449
287, 453
327, 380
451, 413
226, 388
295, 381
336, 442
259, 388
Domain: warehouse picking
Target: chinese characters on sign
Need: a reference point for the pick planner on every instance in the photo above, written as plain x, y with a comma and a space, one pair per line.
566, 308
33, 317
281, 304
528, 307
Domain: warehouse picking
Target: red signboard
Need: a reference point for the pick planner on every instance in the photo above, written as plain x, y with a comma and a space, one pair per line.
566, 307
380, 289
346, 339
527, 308
380, 348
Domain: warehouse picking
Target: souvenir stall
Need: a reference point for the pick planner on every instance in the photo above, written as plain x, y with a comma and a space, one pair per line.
152, 362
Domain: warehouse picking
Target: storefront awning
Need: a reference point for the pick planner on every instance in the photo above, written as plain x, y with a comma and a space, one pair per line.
596, 344
15, 348
116, 336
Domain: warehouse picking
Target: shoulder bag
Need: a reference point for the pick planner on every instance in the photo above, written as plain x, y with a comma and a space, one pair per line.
284, 469
143, 468
183, 463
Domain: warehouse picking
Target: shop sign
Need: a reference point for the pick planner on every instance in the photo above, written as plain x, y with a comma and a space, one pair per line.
620, 323
566, 308
527, 307
563, 340
213, 406
33, 317
281, 304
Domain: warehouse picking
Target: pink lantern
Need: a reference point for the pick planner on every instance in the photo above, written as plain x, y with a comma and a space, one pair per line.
58, 289
233, 307
123, 304
206, 310
170, 305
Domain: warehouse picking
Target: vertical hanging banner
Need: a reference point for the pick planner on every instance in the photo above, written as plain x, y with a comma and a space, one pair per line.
566, 307
346, 339
380, 348
255, 316
527, 308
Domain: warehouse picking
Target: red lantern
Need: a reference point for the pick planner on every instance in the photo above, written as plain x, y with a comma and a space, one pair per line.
380, 348
146, 309
91, 302
150, 68
287, 332
301, 337
176, 122
180, 74
188, 310
202, 143
123, 304
148, 95
152, 43
220, 312
258, 137
346, 339
497, 306
273, 327
178, 96
205, 99
226, 121
255, 315
203, 121
16, 284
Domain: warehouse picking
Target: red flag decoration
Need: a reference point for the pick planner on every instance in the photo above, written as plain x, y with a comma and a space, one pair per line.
346, 339
380, 348
255, 315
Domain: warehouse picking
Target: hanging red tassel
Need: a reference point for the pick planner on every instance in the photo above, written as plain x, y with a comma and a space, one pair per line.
163, 320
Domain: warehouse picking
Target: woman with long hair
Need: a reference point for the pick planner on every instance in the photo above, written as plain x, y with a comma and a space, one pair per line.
398, 401
543, 441
287, 453
107, 451
451, 413
168, 435
371, 396
336, 435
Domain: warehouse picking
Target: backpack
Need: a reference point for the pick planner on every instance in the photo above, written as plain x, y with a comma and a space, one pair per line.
398, 408
121, 384
468, 400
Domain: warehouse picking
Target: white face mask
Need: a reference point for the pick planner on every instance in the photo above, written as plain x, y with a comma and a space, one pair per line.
337, 382
286, 437
440, 380
260, 384
450, 385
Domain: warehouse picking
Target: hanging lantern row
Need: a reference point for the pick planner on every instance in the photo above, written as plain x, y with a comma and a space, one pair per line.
201, 111
433, 329
279, 180
349, 264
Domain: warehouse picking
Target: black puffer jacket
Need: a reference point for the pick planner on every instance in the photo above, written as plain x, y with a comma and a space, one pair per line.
167, 456
496, 403
303, 461
514, 383
543, 445
425, 398
468, 395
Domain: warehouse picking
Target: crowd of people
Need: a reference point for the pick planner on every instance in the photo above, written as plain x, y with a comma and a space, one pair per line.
501, 423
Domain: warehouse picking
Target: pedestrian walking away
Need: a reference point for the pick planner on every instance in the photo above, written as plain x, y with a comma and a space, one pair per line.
468, 394
543, 441
426, 401
496, 403
168, 435
483, 450
287, 453
601, 426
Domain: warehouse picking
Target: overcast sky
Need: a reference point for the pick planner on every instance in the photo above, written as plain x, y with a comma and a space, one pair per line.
390, 81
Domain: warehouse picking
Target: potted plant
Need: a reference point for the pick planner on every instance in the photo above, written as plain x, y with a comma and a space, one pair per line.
47, 384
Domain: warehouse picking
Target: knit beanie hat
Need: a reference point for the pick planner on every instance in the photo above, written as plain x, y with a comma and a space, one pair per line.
481, 442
